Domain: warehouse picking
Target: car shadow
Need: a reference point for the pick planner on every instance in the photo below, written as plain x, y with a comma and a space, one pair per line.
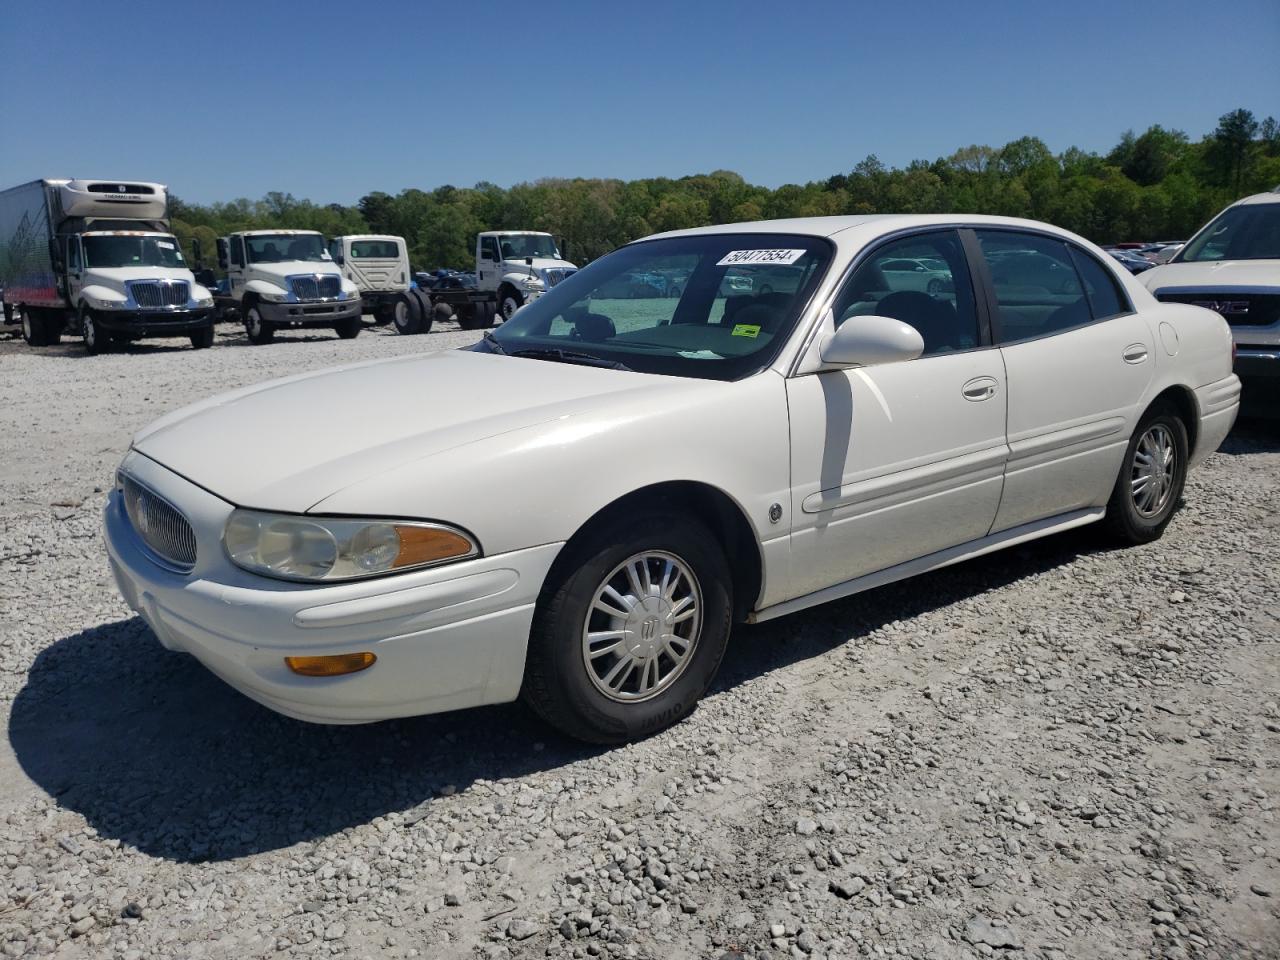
156, 752
1252, 435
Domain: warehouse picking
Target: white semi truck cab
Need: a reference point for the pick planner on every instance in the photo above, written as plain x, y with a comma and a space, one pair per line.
518, 266
96, 257
378, 265
285, 278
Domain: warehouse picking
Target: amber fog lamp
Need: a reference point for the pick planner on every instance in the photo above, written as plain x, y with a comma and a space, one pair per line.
336, 665
419, 545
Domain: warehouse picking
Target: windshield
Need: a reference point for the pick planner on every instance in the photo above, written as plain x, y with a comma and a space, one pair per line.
701, 306
107, 251
280, 247
1249, 232
375, 250
517, 246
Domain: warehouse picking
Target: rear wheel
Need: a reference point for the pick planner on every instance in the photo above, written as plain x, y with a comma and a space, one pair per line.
202, 339
479, 316
406, 313
426, 309
33, 331
257, 329
383, 314
630, 629
1151, 478
348, 329
442, 312
96, 340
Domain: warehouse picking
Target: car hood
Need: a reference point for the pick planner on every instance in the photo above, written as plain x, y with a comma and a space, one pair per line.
288, 444
1225, 274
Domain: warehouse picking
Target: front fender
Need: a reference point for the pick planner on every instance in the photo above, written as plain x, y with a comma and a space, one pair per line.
261, 287
99, 292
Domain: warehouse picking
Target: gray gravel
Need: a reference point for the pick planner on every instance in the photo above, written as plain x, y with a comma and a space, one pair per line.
1059, 751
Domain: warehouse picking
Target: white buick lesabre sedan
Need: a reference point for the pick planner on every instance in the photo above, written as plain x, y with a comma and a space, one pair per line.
576, 510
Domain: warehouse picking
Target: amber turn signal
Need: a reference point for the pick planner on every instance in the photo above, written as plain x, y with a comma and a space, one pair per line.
419, 545
332, 666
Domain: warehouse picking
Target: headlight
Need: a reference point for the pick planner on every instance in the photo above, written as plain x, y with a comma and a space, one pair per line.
353, 294
99, 304
531, 283
205, 302
316, 549
281, 297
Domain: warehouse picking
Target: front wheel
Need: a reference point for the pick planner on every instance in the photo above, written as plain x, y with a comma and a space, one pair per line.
259, 331
202, 339
1151, 478
630, 629
509, 302
406, 313
96, 340
348, 329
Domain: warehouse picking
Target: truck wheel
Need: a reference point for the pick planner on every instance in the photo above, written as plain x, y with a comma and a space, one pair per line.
8, 312
485, 313
509, 301
348, 329
32, 328
426, 310
406, 313
442, 312
96, 340
258, 330
202, 338
383, 314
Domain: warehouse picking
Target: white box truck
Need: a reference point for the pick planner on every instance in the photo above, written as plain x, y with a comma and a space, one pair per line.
280, 279
97, 258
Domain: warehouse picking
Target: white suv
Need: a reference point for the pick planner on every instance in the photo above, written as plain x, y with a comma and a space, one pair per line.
1232, 265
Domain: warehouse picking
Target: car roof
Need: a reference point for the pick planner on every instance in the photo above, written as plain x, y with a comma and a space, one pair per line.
885, 222
1272, 196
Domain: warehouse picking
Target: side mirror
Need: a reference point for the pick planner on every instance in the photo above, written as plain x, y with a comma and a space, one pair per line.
864, 341
338, 258
224, 253
528, 261
197, 252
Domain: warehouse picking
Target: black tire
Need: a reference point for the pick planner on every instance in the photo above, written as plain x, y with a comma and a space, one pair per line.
406, 313
348, 329
258, 330
442, 312
675, 292
1126, 520
202, 339
935, 287
509, 301
426, 309
7, 309
33, 327
96, 340
383, 314
765, 290
557, 684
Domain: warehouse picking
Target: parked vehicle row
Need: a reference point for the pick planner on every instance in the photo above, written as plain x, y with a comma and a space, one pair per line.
749, 454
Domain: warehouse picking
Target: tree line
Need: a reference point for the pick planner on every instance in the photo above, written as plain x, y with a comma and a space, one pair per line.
1157, 185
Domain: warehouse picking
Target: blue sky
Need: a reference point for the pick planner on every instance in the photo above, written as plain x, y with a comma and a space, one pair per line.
331, 100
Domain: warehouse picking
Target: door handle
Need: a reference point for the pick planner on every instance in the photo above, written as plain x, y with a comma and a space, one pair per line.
1135, 353
979, 388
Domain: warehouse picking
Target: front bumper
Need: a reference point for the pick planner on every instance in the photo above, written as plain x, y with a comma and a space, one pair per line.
323, 314
166, 323
445, 638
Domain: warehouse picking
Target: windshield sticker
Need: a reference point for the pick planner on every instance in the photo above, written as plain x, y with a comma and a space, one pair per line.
738, 257
164, 244
700, 354
751, 330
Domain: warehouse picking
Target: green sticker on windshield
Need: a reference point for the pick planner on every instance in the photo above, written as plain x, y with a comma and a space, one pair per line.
747, 330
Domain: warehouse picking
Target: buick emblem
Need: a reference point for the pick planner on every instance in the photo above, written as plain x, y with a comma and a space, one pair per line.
649, 630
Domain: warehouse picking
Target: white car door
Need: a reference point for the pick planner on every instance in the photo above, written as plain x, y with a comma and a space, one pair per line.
900, 460
1078, 360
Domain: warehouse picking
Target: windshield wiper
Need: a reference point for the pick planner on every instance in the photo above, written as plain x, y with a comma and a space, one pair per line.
569, 356
493, 343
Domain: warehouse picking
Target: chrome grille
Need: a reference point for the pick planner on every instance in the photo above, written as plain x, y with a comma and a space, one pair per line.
162, 528
154, 294
319, 287
555, 275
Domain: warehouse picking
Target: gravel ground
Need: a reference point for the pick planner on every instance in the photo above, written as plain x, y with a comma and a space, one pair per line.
1058, 751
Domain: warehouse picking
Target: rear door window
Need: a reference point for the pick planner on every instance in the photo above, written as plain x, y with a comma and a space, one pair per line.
1037, 289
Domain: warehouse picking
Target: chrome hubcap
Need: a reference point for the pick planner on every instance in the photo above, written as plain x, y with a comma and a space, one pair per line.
90, 332
401, 313
1154, 468
509, 308
26, 326
255, 322
642, 627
